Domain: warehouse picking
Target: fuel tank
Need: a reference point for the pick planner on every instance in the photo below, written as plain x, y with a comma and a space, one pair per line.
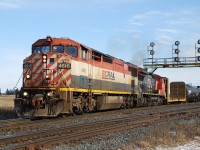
109, 102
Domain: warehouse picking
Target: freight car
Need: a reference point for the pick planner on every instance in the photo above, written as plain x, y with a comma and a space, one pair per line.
181, 92
193, 93
62, 76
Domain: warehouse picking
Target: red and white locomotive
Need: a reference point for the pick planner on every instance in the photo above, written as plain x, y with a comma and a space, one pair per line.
62, 76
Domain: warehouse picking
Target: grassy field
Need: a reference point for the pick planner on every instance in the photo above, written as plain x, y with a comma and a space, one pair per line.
7, 101
7, 107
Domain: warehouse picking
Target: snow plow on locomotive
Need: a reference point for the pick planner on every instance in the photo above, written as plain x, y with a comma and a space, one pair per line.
62, 76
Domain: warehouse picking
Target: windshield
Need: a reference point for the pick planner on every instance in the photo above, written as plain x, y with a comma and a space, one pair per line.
39, 49
72, 50
58, 48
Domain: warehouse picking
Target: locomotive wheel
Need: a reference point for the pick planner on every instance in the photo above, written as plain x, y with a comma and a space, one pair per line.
127, 104
89, 105
123, 106
89, 109
77, 111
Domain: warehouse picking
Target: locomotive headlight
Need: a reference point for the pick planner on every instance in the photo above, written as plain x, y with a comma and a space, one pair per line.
25, 94
50, 94
44, 58
28, 76
47, 77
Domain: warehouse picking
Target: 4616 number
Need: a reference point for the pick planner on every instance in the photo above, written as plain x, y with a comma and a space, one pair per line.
64, 66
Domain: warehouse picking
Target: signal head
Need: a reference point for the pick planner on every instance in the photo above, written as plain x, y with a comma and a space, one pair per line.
152, 52
198, 41
177, 51
152, 44
177, 43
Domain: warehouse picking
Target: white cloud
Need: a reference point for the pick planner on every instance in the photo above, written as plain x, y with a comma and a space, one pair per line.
133, 31
113, 2
180, 21
150, 15
119, 40
157, 13
136, 24
86, 5
167, 30
189, 53
10, 4
164, 39
135, 36
167, 27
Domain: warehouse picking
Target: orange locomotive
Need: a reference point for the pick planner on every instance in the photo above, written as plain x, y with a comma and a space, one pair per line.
62, 76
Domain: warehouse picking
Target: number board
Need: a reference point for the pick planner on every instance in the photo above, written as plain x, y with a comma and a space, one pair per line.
64, 66
27, 66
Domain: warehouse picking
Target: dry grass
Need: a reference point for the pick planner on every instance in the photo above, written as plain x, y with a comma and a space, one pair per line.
7, 101
166, 134
7, 107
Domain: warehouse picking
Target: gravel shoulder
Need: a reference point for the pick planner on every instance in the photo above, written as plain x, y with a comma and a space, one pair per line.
166, 135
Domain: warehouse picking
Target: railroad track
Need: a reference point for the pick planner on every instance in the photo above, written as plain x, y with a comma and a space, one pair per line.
14, 126
49, 138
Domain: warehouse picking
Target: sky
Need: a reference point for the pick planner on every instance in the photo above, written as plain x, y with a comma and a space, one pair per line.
120, 28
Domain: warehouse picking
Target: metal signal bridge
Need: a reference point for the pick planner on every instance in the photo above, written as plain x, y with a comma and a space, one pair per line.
175, 61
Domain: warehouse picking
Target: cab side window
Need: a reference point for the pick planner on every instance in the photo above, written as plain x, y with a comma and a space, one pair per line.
84, 53
72, 50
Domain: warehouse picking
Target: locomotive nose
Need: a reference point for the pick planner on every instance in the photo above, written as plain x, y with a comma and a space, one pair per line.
36, 72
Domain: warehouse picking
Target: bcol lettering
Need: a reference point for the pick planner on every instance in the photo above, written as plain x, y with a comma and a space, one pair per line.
108, 75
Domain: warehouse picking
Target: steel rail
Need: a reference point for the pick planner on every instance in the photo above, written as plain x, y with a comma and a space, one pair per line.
55, 133
24, 124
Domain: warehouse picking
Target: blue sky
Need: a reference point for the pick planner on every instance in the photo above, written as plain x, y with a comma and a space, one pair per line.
121, 28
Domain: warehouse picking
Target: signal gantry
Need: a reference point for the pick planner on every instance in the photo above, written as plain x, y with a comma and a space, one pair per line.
175, 61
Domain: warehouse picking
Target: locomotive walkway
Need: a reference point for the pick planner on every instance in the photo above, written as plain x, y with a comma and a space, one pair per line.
48, 138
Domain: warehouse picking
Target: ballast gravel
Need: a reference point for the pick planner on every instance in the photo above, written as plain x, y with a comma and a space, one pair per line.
126, 140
